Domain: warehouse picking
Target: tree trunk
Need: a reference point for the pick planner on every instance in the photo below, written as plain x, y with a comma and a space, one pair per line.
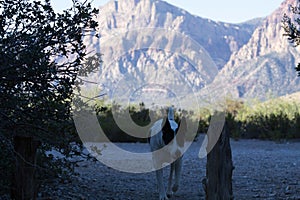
23, 183
219, 167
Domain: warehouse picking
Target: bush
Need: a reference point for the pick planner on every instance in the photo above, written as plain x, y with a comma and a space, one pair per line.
273, 120
140, 115
270, 120
112, 130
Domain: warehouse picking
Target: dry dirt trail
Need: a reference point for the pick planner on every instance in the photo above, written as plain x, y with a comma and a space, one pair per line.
263, 170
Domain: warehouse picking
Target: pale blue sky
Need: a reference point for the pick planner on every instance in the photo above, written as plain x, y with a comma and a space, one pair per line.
233, 11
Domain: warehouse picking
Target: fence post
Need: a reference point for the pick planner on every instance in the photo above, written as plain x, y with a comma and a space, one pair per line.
23, 182
219, 167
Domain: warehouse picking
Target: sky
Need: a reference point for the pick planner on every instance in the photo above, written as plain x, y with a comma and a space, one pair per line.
232, 11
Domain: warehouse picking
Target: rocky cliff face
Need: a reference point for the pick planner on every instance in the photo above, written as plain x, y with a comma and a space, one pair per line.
147, 44
219, 39
151, 41
263, 67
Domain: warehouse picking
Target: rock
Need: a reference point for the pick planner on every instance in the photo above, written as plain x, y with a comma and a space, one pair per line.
288, 190
272, 194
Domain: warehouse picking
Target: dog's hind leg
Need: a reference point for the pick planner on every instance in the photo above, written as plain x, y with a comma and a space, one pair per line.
169, 191
160, 185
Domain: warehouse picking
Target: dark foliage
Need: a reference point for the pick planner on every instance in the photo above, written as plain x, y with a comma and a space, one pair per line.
41, 55
291, 26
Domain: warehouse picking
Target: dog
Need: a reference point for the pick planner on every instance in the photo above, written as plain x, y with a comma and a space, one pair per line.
167, 145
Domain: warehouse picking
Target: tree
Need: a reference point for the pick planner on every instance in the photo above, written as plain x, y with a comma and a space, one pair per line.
291, 28
41, 55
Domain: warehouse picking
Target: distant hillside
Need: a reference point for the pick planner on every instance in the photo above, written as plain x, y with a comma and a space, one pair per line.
265, 65
295, 97
150, 44
152, 48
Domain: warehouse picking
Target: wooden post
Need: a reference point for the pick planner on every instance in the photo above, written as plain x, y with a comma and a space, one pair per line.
23, 183
219, 167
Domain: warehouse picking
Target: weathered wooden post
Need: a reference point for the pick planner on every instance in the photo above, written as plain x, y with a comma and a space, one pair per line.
23, 182
219, 167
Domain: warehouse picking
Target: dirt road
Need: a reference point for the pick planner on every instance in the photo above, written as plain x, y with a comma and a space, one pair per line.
263, 170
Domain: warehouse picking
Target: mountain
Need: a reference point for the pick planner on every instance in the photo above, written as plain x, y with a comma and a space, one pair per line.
153, 50
154, 43
219, 39
263, 67
295, 97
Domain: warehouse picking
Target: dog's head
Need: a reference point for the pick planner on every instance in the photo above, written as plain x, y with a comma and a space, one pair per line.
173, 136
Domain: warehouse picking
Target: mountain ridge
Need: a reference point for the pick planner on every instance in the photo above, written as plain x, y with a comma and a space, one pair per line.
133, 14
265, 64
144, 41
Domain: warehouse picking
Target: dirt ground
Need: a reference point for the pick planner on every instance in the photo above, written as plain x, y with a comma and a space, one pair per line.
263, 170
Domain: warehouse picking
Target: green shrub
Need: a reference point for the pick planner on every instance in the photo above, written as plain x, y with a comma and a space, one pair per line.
140, 115
273, 120
270, 120
233, 125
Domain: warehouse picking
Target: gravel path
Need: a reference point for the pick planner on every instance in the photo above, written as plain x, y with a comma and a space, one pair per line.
263, 170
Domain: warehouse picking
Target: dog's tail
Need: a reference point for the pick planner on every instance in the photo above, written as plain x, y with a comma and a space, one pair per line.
171, 114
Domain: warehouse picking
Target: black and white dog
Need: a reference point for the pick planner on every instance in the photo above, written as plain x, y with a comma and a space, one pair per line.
167, 145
